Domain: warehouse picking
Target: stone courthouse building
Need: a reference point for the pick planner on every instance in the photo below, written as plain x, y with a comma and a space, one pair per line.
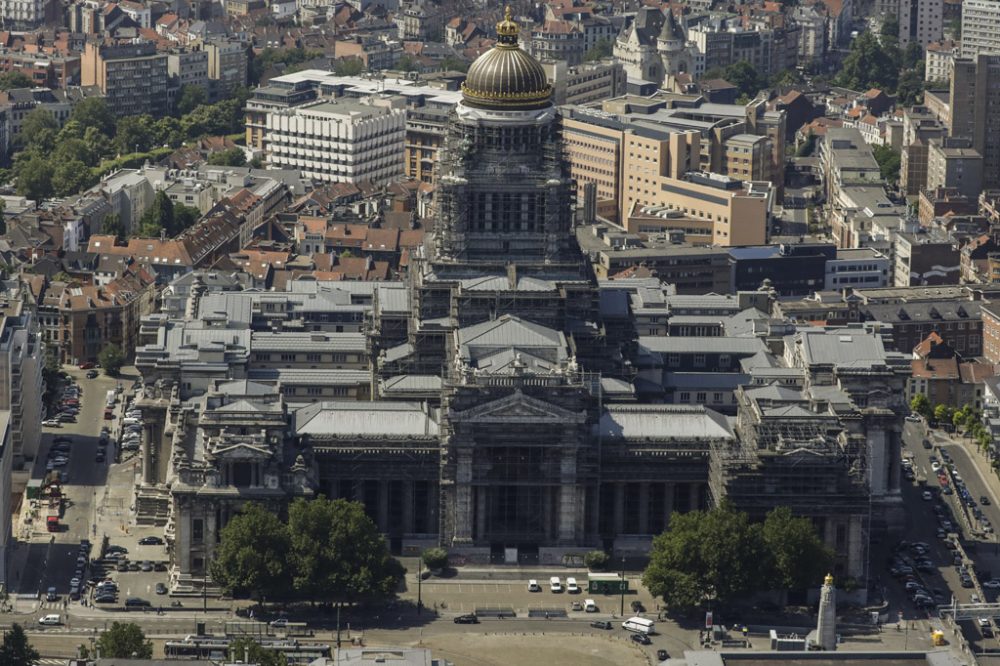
497, 413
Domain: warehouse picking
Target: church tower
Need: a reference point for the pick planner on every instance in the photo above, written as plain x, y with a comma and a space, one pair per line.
671, 44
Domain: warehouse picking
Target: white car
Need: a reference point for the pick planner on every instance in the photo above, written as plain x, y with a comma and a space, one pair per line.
935, 466
533, 586
571, 586
913, 418
927, 496
50, 620
992, 584
51, 423
555, 585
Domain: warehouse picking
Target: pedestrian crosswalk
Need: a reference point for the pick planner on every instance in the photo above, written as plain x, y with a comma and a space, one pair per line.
52, 661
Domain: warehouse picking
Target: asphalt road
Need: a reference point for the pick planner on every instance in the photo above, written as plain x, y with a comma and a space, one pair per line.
51, 557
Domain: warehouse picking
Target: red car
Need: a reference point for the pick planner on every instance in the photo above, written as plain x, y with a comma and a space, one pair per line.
89, 365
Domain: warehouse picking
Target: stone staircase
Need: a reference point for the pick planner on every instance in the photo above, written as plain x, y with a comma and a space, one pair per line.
152, 506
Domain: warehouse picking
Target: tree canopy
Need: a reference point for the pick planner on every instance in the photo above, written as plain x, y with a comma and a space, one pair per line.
15, 79
889, 162
246, 650
338, 552
328, 550
720, 555
124, 640
868, 65
16, 650
602, 49
229, 157
111, 359
253, 553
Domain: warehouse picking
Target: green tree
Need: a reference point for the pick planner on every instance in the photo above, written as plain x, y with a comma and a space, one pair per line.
348, 67
135, 134
158, 217
602, 49
807, 147
800, 557
39, 129
959, 418
717, 555
889, 162
339, 553
955, 25
15, 79
112, 224
743, 75
71, 177
16, 650
99, 143
868, 65
435, 558
596, 560
71, 130
191, 97
253, 554
184, 217
124, 640
890, 28
74, 150
942, 414
230, 157
247, 651
788, 77
910, 87
94, 112
33, 177
921, 405
111, 359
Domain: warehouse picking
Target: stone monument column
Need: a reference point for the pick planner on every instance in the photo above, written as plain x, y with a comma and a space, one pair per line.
826, 626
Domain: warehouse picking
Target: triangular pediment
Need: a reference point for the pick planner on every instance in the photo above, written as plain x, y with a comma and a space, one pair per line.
517, 407
241, 451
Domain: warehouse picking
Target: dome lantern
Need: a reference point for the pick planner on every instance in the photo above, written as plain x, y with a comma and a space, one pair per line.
505, 77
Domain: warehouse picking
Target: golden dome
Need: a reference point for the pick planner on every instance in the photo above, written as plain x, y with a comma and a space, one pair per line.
505, 77
828, 580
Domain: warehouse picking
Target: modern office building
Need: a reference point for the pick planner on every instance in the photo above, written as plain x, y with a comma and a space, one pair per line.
339, 141
132, 76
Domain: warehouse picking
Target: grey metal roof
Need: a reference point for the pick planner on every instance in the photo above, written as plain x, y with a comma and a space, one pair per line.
403, 383
694, 345
364, 419
318, 377
662, 422
841, 347
307, 342
510, 331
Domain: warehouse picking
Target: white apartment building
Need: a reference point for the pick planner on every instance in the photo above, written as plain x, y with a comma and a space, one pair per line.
939, 58
21, 363
342, 140
23, 14
980, 27
920, 21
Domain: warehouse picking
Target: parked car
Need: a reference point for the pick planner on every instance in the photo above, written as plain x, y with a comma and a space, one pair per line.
51, 423
641, 639
161, 588
467, 619
600, 624
91, 374
136, 602
151, 541
662, 655
571, 586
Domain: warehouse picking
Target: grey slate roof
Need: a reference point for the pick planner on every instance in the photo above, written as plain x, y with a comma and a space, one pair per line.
662, 422
364, 419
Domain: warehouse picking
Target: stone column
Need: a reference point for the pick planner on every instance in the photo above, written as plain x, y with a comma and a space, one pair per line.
383, 506
408, 498
463, 497
695, 496
359, 491
668, 503
619, 509
211, 529
480, 518
570, 514
644, 507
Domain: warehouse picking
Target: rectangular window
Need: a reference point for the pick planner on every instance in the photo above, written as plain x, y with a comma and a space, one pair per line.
314, 390
197, 530
685, 397
699, 360
314, 358
288, 357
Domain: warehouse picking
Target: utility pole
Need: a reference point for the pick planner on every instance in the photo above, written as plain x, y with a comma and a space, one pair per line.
622, 588
338, 625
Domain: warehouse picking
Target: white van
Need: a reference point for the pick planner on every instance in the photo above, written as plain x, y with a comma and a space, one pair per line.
555, 585
639, 625
130, 421
533, 586
50, 620
589, 605
571, 586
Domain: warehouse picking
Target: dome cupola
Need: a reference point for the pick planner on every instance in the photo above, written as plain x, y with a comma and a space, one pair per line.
505, 77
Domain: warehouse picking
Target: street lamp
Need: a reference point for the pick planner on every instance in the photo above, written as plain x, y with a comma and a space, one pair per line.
420, 578
621, 588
